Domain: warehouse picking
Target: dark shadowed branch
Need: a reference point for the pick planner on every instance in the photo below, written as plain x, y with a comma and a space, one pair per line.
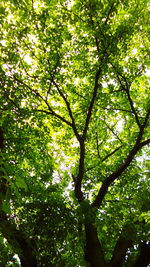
110, 154
132, 108
89, 113
124, 242
79, 178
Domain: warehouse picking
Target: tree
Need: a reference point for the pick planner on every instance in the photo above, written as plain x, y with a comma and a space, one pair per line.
75, 132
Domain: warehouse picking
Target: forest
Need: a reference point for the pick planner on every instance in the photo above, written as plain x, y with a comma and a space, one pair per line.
75, 133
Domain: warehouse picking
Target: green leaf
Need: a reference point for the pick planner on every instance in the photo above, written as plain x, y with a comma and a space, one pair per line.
6, 207
21, 183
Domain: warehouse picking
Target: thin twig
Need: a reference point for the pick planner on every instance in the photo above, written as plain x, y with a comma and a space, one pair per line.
113, 132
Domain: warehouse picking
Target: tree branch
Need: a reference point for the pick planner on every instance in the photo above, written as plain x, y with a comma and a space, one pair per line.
117, 109
51, 112
89, 113
111, 153
146, 119
3, 181
113, 132
97, 145
133, 109
69, 110
109, 180
23, 66
78, 182
26, 85
144, 143
124, 242
78, 191
109, 13
91, 168
52, 77
20, 243
126, 89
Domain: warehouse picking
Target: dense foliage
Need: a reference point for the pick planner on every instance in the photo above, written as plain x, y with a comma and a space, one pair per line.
74, 133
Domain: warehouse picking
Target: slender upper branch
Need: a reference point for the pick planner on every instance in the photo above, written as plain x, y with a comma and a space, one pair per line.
69, 110
113, 132
89, 113
109, 12
52, 77
109, 180
110, 154
146, 120
29, 87
144, 143
117, 109
125, 87
132, 108
97, 145
50, 111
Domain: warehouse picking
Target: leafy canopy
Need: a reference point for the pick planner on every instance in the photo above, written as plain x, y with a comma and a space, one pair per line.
74, 110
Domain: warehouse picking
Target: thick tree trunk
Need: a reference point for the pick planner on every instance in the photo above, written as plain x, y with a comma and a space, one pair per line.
28, 259
93, 250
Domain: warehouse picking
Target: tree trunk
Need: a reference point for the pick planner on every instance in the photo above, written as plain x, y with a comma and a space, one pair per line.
93, 250
28, 259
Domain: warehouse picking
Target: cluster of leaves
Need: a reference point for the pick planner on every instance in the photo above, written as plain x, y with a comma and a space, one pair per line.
33, 201
74, 98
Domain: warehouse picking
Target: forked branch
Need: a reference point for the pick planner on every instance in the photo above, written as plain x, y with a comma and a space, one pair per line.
124, 242
125, 86
78, 191
112, 177
69, 110
50, 110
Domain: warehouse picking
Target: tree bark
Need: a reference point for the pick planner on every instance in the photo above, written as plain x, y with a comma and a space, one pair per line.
93, 250
124, 242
